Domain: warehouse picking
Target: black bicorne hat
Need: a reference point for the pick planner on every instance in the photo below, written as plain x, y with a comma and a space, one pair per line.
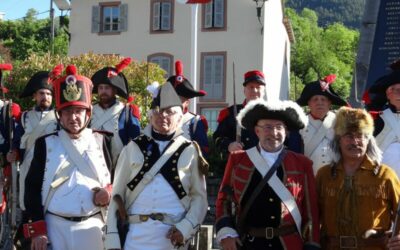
40, 80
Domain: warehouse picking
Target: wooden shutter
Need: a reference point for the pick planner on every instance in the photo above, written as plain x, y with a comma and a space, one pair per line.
208, 14
123, 17
95, 19
156, 16
166, 16
219, 13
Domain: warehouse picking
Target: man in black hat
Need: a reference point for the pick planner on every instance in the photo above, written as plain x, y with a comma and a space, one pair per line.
194, 126
225, 136
68, 184
38, 121
109, 113
159, 182
267, 199
387, 122
319, 96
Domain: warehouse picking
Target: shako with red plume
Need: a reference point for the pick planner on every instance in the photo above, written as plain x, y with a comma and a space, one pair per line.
182, 85
113, 76
321, 87
72, 89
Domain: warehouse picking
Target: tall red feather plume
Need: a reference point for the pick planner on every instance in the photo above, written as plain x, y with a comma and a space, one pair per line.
71, 70
395, 66
178, 68
330, 78
6, 66
123, 64
56, 71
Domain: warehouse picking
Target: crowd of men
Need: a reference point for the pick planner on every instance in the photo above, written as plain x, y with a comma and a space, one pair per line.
91, 178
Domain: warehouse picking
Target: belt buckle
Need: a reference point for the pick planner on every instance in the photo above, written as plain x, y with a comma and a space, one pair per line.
269, 233
348, 242
143, 217
157, 216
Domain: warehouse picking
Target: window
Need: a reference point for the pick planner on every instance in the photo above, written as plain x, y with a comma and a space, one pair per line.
213, 75
214, 15
162, 16
109, 17
211, 114
164, 61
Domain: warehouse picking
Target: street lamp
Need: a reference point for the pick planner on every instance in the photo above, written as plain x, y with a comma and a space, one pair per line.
259, 6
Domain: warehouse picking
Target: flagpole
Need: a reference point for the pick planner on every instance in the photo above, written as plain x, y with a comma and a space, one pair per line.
193, 54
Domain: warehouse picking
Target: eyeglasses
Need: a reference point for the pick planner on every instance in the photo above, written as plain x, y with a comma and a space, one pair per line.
165, 112
270, 128
394, 90
357, 137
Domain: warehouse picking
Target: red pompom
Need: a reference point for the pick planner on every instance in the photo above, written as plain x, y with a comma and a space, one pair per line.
330, 78
6, 66
16, 111
56, 71
123, 64
71, 70
178, 68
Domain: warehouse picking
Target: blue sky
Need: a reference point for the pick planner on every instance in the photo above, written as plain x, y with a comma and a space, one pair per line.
15, 9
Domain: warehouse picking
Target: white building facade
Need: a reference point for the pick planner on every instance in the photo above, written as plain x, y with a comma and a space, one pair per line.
160, 31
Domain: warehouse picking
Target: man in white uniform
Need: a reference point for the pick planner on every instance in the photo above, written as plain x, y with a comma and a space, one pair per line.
159, 183
68, 184
316, 136
387, 122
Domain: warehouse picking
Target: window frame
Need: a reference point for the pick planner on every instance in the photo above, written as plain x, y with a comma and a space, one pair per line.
162, 54
213, 28
218, 105
103, 5
202, 57
160, 31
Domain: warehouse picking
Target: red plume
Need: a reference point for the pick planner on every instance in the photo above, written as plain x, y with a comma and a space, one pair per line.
178, 68
330, 78
56, 71
395, 65
123, 64
6, 66
71, 70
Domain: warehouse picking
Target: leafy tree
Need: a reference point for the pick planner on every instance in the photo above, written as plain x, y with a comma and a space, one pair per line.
87, 65
319, 51
30, 35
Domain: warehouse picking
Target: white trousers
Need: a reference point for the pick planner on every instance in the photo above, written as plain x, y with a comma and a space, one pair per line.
68, 235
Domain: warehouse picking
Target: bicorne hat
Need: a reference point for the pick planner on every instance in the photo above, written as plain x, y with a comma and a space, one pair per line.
321, 87
164, 96
71, 89
40, 80
288, 112
380, 86
254, 76
182, 85
114, 77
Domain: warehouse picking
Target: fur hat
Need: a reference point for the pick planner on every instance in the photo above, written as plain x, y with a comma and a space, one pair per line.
353, 120
287, 111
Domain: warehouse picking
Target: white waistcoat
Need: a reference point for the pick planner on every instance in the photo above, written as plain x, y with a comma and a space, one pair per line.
322, 154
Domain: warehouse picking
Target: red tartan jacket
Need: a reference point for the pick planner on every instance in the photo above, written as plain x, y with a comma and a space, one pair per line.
299, 180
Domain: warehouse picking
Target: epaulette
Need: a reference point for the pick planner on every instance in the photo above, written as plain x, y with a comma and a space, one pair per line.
223, 114
135, 110
202, 162
204, 121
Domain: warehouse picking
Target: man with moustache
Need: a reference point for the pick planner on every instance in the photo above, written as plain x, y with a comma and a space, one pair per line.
267, 199
226, 132
358, 196
319, 96
109, 113
38, 121
159, 183
387, 122
68, 184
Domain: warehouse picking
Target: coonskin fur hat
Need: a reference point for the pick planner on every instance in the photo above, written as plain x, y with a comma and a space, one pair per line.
350, 120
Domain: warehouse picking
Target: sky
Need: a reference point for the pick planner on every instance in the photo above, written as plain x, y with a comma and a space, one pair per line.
15, 9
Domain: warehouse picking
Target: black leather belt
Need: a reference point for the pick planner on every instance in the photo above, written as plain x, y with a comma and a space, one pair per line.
74, 218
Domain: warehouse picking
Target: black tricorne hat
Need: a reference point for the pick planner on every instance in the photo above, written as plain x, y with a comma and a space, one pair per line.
288, 112
321, 87
380, 86
40, 80
182, 85
114, 77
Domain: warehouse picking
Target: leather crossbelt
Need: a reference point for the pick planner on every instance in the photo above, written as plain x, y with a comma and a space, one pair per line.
271, 232
352, 242
74, 218
164, 218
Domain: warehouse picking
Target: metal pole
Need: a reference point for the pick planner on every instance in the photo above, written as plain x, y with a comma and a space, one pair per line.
193, 54
52, 27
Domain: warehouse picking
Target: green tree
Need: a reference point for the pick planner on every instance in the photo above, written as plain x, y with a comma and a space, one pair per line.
319, 51
31, 35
